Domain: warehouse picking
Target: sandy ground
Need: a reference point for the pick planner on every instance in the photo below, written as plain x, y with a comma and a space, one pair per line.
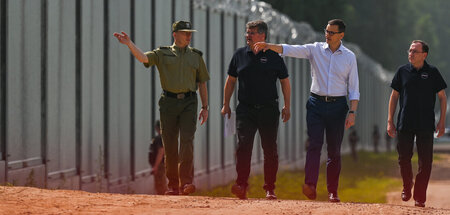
26, 200
438, 188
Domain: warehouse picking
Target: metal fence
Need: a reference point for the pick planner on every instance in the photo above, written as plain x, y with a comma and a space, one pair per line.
77, 110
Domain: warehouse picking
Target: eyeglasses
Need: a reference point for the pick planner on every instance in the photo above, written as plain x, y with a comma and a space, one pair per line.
331, 32
251, 33
413, 51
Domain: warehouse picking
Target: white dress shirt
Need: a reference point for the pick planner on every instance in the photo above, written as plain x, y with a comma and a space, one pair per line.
333, 74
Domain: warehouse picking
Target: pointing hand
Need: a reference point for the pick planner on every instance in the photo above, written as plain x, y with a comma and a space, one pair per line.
123, 38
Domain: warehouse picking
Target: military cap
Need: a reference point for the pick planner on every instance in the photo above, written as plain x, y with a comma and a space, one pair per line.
182, 26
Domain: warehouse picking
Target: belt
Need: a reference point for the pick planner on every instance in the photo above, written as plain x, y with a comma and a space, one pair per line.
179, 95
259, 106
327, 98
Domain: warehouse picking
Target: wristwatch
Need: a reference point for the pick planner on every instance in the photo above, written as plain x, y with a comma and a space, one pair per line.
205, 107
352, 111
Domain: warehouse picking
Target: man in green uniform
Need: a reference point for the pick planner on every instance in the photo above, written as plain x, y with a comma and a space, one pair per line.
181, 71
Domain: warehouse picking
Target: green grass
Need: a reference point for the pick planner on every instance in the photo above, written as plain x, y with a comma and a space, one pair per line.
367, 180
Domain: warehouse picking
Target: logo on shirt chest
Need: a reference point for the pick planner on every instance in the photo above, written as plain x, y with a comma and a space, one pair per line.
263, 60
424, 75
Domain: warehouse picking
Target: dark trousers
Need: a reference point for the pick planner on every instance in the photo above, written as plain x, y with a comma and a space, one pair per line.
178, 119
405, 146
265, 119
325, 118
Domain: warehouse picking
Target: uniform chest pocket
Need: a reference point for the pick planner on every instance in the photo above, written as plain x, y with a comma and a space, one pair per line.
170, 60
193, 64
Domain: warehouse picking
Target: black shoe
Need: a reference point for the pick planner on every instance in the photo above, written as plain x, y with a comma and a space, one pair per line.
333, 197
188, 189
406, 194
270, 195
239, 191
172, 191
309, 191
419, 204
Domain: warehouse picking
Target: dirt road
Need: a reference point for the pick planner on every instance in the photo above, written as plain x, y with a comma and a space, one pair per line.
438, 189
26, 200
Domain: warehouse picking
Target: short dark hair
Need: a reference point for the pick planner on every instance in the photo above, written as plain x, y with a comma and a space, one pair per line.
339, 22
425, 47
157, 125
260, 25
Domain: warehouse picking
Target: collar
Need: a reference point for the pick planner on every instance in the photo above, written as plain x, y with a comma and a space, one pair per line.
178, 49
325, 46
248, 49
424, 67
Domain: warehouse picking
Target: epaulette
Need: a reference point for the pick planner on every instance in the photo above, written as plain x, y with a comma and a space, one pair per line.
197, 51
164, 47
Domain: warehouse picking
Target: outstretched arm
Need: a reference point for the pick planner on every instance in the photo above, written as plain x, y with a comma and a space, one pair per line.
297, 51
266, 46
125, 39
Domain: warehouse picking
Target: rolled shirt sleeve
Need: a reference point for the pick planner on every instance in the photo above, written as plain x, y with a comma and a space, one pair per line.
353, 81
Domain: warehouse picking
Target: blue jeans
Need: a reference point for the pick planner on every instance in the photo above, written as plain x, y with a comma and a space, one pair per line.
325, 117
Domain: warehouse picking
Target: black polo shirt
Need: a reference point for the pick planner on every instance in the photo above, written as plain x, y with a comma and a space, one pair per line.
417, 91
257, 75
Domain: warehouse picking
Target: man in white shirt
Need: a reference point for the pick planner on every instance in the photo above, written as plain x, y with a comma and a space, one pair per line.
334, 75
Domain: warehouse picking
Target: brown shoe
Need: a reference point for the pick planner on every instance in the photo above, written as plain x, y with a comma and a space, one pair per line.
419, 204
310, 191
172, 191
239, 191
188, 189
333, 197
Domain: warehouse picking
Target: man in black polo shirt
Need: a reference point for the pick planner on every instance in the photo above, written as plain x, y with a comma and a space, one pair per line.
416, 83
258, 106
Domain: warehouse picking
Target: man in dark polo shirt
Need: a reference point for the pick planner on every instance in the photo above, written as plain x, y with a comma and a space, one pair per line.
416, 84
258, 106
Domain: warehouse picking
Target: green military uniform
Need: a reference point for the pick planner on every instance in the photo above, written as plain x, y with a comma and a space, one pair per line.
180, 70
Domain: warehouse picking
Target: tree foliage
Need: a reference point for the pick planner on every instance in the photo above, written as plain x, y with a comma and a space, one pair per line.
383, 29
